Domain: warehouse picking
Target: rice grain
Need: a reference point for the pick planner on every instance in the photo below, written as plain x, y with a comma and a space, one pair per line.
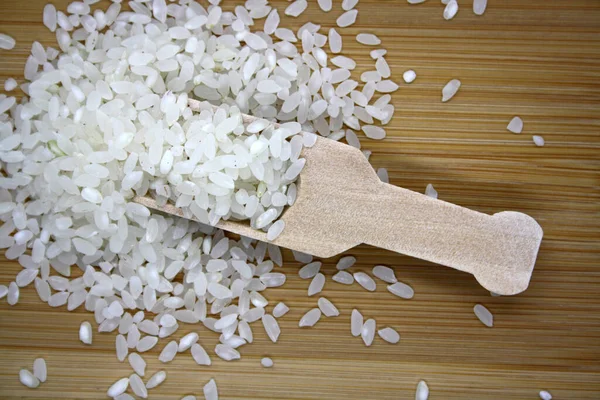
389, 335
266, 362
118, 387
6, 42
367, 332
401, 290
296, 8
346, 19
327, 307
28, 379
515, 125
325, 5
200, 355
156, 379
356, 323
384, 273
343, 277
137, 363
450, 90
538, 141
310, 318
422, 392
211, 391
40, 370
365, 281
368, 39
310, 270
479, 6
484, 315
545, 395
409, 76
450, 10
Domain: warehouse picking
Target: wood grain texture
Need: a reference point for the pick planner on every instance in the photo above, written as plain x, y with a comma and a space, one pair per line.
539, 59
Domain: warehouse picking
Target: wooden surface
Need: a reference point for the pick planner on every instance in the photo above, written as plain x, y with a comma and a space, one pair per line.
539, 59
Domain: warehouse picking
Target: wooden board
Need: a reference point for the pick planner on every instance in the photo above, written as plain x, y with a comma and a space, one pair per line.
539, 59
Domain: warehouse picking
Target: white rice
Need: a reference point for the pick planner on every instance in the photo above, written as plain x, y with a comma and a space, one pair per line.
146, 343
280, 310
349, 4
227, 353
156, 379
266, 362
545, 395
335, 41
422, 392
187, 341
85, 332
356, 322
310, 318
168, 352
450, 90
211, 391
328, 308
325, 5
40, 370
538, 141
345, 262
402, 290
121, 347
10, 84
296, 8
272, 22
316, 285
275, 230
49, 17
200, 355
479, 6
384, 273
343, 277
271, 327
118, 387
137, 363
346, 19
367, 332
389, 335
383, 68
374, 132
28, 379
140, 70
137, 386
515, 125
484, 315
368, 39
430, 191
365, 281
310, 270
6, 42
13, 292
386, 86
375, 54
451, 10
409, 76
382, 173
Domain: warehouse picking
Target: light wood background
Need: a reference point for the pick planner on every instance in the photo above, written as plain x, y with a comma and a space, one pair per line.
539, 59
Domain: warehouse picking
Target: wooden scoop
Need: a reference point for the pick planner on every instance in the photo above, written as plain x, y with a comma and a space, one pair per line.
342, 203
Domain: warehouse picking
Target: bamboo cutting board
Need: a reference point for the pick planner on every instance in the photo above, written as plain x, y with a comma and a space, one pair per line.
538, 59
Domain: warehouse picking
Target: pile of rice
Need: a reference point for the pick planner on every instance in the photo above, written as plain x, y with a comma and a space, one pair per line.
106, 118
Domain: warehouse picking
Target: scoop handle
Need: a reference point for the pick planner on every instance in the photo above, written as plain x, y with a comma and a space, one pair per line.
499, 250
